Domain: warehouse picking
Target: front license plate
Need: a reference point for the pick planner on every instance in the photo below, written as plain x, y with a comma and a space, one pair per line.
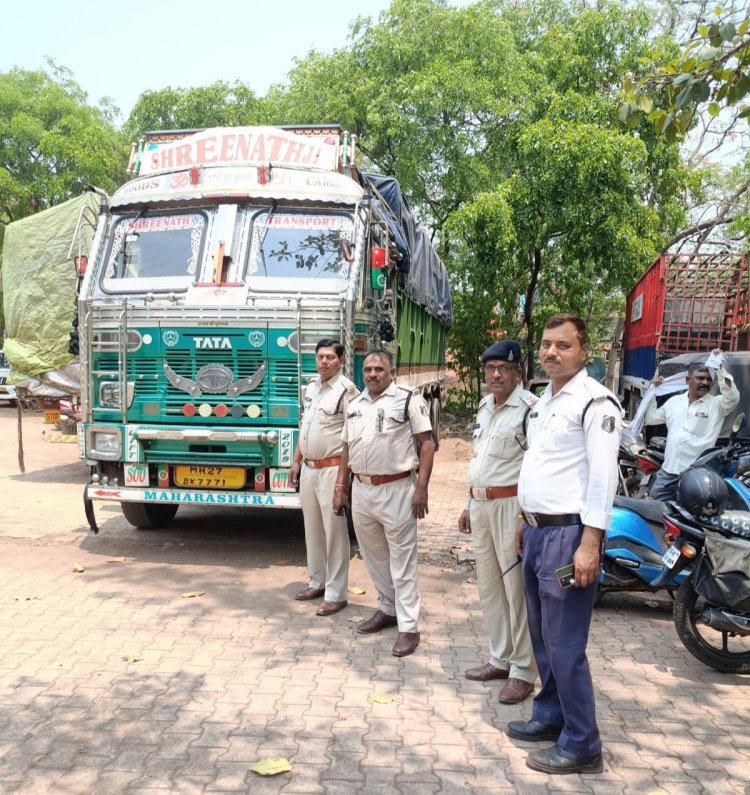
671, 556
199, 477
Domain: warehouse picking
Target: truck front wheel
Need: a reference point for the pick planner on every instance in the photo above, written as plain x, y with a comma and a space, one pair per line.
146, 516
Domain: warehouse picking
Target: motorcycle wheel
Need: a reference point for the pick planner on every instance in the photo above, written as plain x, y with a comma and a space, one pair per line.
720, 650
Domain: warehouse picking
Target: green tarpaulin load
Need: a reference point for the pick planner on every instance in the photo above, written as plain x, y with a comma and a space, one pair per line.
39, 295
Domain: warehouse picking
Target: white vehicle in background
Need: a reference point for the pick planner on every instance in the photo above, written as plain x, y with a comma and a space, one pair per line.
7, 392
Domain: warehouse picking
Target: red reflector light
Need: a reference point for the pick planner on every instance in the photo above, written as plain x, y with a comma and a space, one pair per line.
671, 532
188, 410
647, 466
689, 551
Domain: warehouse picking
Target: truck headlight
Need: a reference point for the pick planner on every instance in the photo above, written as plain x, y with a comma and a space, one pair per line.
107, 443
104, 442
109, 394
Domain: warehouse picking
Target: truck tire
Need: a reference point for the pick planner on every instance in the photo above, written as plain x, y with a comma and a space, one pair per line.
146, 516
435, 415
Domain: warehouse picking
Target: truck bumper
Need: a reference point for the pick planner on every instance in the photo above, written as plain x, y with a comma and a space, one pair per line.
239, 499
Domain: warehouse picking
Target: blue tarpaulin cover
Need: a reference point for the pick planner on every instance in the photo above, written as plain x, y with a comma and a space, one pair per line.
425, 276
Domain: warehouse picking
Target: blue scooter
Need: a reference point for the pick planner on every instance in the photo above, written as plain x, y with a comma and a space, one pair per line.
635, 542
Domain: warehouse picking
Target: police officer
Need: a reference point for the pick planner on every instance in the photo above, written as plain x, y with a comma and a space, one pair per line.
388, 496
565, 489
491, 514
315, 465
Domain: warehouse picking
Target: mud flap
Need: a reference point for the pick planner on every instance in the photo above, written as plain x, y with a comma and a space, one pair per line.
88, 507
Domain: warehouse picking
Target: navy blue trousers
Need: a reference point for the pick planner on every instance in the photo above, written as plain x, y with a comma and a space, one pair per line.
559, 620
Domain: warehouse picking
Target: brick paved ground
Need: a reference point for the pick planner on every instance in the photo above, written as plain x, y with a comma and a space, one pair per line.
112, 682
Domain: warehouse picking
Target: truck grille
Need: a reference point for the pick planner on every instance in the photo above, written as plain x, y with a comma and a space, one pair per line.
279, 385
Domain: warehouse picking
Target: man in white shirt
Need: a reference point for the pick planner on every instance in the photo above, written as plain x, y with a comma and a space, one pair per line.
566, 488
693, 421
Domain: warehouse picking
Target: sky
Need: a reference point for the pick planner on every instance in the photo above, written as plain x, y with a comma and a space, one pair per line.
120, 50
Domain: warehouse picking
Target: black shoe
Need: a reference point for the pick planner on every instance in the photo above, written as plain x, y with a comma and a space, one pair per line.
533, 731
555, 760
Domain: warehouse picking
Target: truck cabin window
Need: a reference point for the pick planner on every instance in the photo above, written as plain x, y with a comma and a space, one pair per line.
155, 252
302, 246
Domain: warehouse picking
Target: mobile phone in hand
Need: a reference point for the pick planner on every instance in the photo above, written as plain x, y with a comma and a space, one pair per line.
566, 575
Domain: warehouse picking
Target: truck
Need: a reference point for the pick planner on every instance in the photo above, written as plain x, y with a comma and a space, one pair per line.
212, 274
682, 304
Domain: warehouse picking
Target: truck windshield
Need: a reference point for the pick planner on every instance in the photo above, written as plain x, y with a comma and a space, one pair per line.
154, 251
301, 245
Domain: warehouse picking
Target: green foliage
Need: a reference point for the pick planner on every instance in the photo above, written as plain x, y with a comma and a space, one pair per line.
711, 72
500, 122
462, 402
216, 105
52, 144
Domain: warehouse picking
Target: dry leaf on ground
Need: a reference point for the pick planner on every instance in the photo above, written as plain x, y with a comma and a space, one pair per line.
77, 568
192, 594
271, 767
131, 660
357, 590
381, 698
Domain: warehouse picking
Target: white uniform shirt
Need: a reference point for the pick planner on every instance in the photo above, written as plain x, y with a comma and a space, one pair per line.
571, 466
498, 441
380, 432
325, 408
693, 427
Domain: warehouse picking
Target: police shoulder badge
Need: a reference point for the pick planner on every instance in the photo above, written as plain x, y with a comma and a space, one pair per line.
608, 424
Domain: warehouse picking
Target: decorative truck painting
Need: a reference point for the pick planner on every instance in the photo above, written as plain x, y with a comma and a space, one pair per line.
211, 277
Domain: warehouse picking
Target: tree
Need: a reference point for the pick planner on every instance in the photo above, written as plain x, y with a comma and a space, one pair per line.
52, 144
216, 105
500, 122
712, 71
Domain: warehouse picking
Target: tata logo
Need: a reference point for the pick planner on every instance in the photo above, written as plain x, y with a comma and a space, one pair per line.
213, 343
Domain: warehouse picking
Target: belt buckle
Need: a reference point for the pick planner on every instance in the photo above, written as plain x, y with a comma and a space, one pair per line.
530, 519
366, 479
480, 494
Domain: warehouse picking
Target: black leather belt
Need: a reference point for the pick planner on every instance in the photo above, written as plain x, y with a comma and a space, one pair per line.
550, 519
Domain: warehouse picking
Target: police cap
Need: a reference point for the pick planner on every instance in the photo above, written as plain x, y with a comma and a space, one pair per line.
506, 350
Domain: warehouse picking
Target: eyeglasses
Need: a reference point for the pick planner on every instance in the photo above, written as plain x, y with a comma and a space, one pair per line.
503, 369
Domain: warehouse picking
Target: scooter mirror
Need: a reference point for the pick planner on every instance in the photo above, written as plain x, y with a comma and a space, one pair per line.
737, 424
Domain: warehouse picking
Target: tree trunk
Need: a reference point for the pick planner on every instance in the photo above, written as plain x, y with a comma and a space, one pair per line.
528, 312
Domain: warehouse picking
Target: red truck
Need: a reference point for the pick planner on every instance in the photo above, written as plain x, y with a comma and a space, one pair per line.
684, 303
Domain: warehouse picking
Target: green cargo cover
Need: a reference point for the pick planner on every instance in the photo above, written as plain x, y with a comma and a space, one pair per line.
39, 300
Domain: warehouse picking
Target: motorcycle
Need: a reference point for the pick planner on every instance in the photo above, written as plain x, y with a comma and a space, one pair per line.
712, 606
638, 464
635, 543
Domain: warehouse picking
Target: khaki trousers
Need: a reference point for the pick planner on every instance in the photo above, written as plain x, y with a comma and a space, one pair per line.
387, 534
326, 535
493, 526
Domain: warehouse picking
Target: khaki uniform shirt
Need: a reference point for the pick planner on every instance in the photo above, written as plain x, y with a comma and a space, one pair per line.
380, 432
325, 408
499, 440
